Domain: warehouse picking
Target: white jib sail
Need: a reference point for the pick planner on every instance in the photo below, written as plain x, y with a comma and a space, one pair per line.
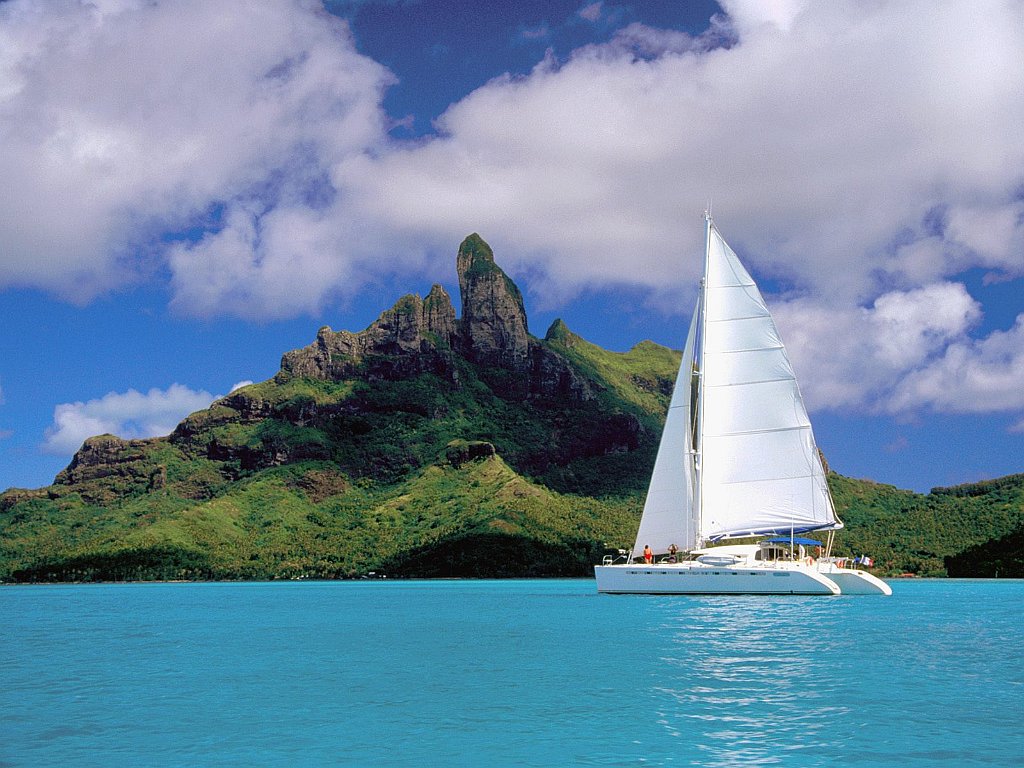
667, 517
760, 470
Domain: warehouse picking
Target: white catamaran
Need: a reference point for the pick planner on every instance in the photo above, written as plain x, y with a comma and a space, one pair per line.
737, 459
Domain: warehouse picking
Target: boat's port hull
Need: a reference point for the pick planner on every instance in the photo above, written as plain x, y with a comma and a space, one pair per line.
697, 579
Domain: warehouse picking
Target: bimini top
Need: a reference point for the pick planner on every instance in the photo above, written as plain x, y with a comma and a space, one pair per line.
797, 540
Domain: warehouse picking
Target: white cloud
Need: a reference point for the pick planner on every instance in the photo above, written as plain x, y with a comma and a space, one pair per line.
592, 11
828, 135
907, 352
120, 121
749, 15
827, 138
864, 153
972, 376
993, 234
239, 385
908, 327
128, 415
857, 357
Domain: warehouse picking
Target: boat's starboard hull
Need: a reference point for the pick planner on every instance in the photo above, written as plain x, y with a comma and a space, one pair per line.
855, 582
694, 579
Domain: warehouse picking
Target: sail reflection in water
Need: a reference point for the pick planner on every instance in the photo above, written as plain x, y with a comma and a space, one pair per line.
746, 693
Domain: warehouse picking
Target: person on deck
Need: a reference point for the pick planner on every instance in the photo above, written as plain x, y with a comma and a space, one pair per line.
648, 555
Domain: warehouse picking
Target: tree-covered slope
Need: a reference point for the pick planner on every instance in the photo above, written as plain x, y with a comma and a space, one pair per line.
424, 445
917, 533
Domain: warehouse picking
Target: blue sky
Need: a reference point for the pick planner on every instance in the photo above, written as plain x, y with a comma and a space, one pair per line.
192, 189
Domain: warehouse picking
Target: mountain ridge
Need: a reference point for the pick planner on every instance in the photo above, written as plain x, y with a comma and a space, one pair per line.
427, 444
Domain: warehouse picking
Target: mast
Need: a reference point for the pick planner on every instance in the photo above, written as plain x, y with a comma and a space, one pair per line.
699, 448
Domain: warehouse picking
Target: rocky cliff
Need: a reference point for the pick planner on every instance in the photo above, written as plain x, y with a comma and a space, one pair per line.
413, 336
429, 443
423, 335
493, 318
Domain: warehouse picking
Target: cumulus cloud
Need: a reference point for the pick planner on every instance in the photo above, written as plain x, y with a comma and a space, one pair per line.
858, 357
823, 171
971, 376
121, 121
261, 126
128, 415
864, 154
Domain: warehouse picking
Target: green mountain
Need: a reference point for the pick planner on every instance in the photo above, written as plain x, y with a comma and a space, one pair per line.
425, 445
928, 534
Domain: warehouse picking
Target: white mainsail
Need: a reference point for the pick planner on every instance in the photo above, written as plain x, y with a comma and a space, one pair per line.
737, 457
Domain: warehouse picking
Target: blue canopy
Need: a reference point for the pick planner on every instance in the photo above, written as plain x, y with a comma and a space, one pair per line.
795, 540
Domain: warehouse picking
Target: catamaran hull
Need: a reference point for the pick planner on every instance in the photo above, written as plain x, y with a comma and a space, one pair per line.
696, 579
854, 582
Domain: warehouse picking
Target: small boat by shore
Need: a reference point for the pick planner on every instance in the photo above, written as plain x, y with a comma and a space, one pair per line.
737, 460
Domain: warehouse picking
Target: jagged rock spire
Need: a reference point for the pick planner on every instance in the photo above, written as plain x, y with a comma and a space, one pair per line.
413, 328
494, 327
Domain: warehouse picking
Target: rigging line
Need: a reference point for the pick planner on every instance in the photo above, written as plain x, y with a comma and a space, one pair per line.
748, 383
751, 349
736, 319
757, 431
763, 479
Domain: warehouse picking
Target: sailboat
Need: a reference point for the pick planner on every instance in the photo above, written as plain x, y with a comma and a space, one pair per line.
737, 459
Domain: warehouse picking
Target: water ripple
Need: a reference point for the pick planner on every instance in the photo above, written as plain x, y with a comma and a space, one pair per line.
531, 673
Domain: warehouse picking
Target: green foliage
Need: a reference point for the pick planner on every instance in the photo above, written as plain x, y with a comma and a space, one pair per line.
481, 257
307, 520
913, 533
644, 376
158, 563
285, 393
1001, 557
430, 474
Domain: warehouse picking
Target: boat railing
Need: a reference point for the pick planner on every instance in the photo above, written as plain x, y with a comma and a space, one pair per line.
621, 556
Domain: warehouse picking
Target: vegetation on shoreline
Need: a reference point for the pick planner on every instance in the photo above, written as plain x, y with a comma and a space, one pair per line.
425, 446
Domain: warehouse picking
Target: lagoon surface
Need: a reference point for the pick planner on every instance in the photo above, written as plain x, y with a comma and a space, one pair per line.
507, 673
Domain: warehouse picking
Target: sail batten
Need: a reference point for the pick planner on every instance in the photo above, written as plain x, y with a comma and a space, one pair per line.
744, 383
762, 431
731, 319
755, 480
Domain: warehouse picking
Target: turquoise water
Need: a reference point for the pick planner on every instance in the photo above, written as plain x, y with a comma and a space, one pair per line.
507, 673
